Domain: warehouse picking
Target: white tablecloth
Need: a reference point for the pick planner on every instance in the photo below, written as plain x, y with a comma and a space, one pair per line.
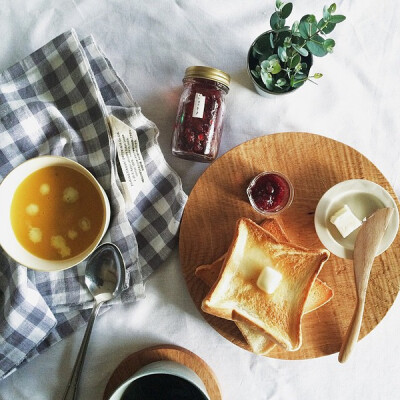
150, 43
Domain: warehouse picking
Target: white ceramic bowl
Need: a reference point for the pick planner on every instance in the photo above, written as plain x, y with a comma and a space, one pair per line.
8, 240
363, 197
163, 367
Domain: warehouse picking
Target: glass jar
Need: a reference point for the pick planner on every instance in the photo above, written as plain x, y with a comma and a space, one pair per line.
199, 120
270, 193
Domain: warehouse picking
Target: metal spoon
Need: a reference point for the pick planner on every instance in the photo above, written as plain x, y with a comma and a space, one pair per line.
104, 277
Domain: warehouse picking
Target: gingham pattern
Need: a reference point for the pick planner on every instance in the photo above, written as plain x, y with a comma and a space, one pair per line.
56, 101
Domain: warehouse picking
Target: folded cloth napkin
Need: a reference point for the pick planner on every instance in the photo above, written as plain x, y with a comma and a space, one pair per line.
58, 101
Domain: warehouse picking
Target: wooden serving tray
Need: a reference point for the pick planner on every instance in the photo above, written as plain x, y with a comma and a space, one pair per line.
314, 164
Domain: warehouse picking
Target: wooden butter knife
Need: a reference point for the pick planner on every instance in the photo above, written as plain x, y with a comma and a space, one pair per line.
365, 249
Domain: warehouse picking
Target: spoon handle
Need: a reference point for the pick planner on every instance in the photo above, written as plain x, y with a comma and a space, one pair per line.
72, 387
352, 332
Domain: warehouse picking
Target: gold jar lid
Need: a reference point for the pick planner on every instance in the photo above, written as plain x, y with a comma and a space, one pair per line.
208, 73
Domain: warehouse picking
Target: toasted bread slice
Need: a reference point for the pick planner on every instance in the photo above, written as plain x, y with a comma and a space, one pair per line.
258, 341
319, 295
236, 296
320, 292
208, 273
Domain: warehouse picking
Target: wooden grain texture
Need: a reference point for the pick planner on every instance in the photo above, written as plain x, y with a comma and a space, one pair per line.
314, 164
137, 360
365, 249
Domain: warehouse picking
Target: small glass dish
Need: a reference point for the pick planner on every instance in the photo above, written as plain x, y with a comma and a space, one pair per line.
270, 193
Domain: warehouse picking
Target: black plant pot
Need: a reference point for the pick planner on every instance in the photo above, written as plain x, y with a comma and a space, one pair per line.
258, 83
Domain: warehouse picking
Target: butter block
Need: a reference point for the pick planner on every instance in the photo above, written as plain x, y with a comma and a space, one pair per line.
345, 221
269, 279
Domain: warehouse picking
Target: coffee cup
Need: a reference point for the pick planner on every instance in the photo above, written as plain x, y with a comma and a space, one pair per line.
162, 379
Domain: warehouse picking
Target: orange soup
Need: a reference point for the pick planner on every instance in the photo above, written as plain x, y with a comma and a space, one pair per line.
57, 213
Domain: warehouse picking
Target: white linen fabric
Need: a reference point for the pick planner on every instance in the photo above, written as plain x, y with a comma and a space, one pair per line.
56, 101
150, 44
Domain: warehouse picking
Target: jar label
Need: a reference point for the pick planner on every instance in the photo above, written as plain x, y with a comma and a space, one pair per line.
198, 107
130, 158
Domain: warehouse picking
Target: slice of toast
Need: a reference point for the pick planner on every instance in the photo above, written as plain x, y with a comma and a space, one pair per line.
236, 296
320, 292
259, 342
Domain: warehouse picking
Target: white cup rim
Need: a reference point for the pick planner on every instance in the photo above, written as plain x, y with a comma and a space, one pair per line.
166, 367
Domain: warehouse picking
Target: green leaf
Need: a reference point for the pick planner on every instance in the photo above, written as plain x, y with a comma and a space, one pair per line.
287, 42
273, 57
276, 22
297, 80
282, 54
303, 29
255, 73
280, 82
326, 14
278, 4
271, 66
335, 19
295, 28
301, 50
267, 79
329, 44
311, 19
321, 23
298, 67
286, 10
308, 26
317, 75
271, 40
328, 28
300, 75
265, 65
332, 8
295, 60
275, 67
316, 46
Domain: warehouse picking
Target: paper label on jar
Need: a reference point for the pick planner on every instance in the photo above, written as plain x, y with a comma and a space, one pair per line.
198, 107
130, 157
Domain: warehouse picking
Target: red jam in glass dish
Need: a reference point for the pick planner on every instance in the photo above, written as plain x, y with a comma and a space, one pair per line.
199, 120
270, 193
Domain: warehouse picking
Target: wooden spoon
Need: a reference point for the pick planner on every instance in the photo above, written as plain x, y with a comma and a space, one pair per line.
365, 249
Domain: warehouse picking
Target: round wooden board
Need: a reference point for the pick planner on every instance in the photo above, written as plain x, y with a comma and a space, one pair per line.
313, 163
137, 360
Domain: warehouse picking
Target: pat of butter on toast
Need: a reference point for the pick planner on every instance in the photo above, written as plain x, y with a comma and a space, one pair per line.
236, 296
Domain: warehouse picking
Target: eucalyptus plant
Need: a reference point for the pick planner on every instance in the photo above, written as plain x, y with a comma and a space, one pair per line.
283, 54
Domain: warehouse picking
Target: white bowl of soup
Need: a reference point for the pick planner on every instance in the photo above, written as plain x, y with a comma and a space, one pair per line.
53, 213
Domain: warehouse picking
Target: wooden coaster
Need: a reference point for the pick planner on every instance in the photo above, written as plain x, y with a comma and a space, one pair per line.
137, 360
313, 163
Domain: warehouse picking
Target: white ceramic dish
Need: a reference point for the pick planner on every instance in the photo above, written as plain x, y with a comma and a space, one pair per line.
163, 367
8, 240
363, 197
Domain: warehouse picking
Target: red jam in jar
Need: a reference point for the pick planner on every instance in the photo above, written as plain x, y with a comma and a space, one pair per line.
270, 193
198, 126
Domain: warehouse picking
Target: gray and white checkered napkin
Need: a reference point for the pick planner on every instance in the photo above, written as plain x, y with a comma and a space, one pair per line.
56, 101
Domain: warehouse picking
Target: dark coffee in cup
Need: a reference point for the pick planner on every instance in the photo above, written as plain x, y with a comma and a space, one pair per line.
162, 387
